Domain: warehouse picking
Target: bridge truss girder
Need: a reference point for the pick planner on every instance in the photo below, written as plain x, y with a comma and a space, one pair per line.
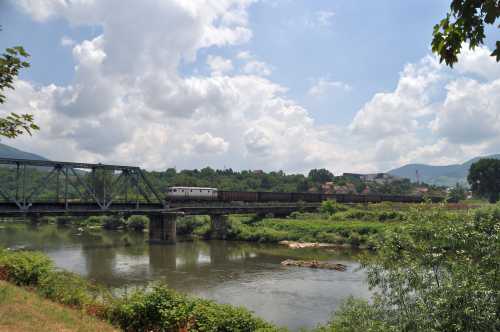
99, 184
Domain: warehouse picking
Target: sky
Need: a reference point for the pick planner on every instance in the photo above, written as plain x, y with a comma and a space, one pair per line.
289, 85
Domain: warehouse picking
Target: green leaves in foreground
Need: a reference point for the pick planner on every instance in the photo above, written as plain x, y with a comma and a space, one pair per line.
15, 124
465, 23
11, 62
440, 271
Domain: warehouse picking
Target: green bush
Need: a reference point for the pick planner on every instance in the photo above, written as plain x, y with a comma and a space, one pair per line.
355, 239
204, 231
331, 207
390, 216
24, 267
250, 220
114, 222
266, 234
330, 238
361, 215
64, 220
210, 316
65, 287
162, 309
158, 310
137, 223
94, 221
187, 225
357, 315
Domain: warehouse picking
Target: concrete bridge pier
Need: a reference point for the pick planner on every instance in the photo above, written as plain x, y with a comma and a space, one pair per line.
162, 228
219, 223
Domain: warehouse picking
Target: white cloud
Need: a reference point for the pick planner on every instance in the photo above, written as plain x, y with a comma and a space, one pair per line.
129, 104
218, 65
324, 86
324, 17
397, 112
257, 68
244, 55
41, 10
206, 143
252, 65
470, 113
415, 123
478, 62
67, 41
321, 19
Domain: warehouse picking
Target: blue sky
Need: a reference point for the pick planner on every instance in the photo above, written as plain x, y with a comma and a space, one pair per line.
329, 58
365, 44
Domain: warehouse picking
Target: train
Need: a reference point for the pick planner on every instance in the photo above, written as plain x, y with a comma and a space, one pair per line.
186, 194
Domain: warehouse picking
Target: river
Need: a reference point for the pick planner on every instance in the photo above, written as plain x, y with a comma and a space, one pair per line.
239, 273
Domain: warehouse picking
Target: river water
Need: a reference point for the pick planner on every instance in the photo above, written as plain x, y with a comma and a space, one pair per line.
239, 273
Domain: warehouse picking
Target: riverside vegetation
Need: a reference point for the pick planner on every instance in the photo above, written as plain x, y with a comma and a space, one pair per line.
344, 225
156, 309
433, 270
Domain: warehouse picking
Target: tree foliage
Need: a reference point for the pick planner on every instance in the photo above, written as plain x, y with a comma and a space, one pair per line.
457, 193
439, 271
464, 23
11, 62
321, 175
484, 178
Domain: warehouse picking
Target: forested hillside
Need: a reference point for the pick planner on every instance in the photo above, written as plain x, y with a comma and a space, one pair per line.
316, 180
10, 152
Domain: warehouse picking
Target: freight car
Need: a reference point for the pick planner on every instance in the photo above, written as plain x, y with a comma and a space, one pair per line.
213, 194
238, 196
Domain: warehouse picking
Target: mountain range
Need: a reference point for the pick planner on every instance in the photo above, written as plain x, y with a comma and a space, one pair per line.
10, 152
447, 175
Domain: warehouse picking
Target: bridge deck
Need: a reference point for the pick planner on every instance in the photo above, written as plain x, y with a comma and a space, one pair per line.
87, 209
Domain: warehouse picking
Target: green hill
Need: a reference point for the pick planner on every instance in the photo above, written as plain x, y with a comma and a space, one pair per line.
440, 175
10, 152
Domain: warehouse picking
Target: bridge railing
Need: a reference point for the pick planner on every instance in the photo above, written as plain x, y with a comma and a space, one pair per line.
24, 183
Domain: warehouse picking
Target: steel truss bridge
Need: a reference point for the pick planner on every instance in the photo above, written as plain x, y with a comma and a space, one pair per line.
40, 187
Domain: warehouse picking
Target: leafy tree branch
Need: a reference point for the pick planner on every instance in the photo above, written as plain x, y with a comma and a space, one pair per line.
11, 62
464, 23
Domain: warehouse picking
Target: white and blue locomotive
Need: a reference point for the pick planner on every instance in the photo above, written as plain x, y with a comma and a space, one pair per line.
191, 193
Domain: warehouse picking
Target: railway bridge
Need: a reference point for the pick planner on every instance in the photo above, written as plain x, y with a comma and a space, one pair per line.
36, 188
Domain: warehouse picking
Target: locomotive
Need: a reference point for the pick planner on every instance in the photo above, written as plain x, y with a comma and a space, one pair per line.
213, 194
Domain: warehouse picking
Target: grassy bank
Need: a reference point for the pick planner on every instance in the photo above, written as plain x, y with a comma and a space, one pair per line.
22, 310
156, 309
354, 225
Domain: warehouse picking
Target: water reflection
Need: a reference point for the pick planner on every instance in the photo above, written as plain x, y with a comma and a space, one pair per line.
247, 274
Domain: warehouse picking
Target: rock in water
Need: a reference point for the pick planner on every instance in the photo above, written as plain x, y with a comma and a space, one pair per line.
315, 264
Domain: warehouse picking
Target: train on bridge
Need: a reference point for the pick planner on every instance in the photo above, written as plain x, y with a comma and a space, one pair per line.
194, 194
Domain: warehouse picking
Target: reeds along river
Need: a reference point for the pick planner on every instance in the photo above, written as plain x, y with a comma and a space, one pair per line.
239, 273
